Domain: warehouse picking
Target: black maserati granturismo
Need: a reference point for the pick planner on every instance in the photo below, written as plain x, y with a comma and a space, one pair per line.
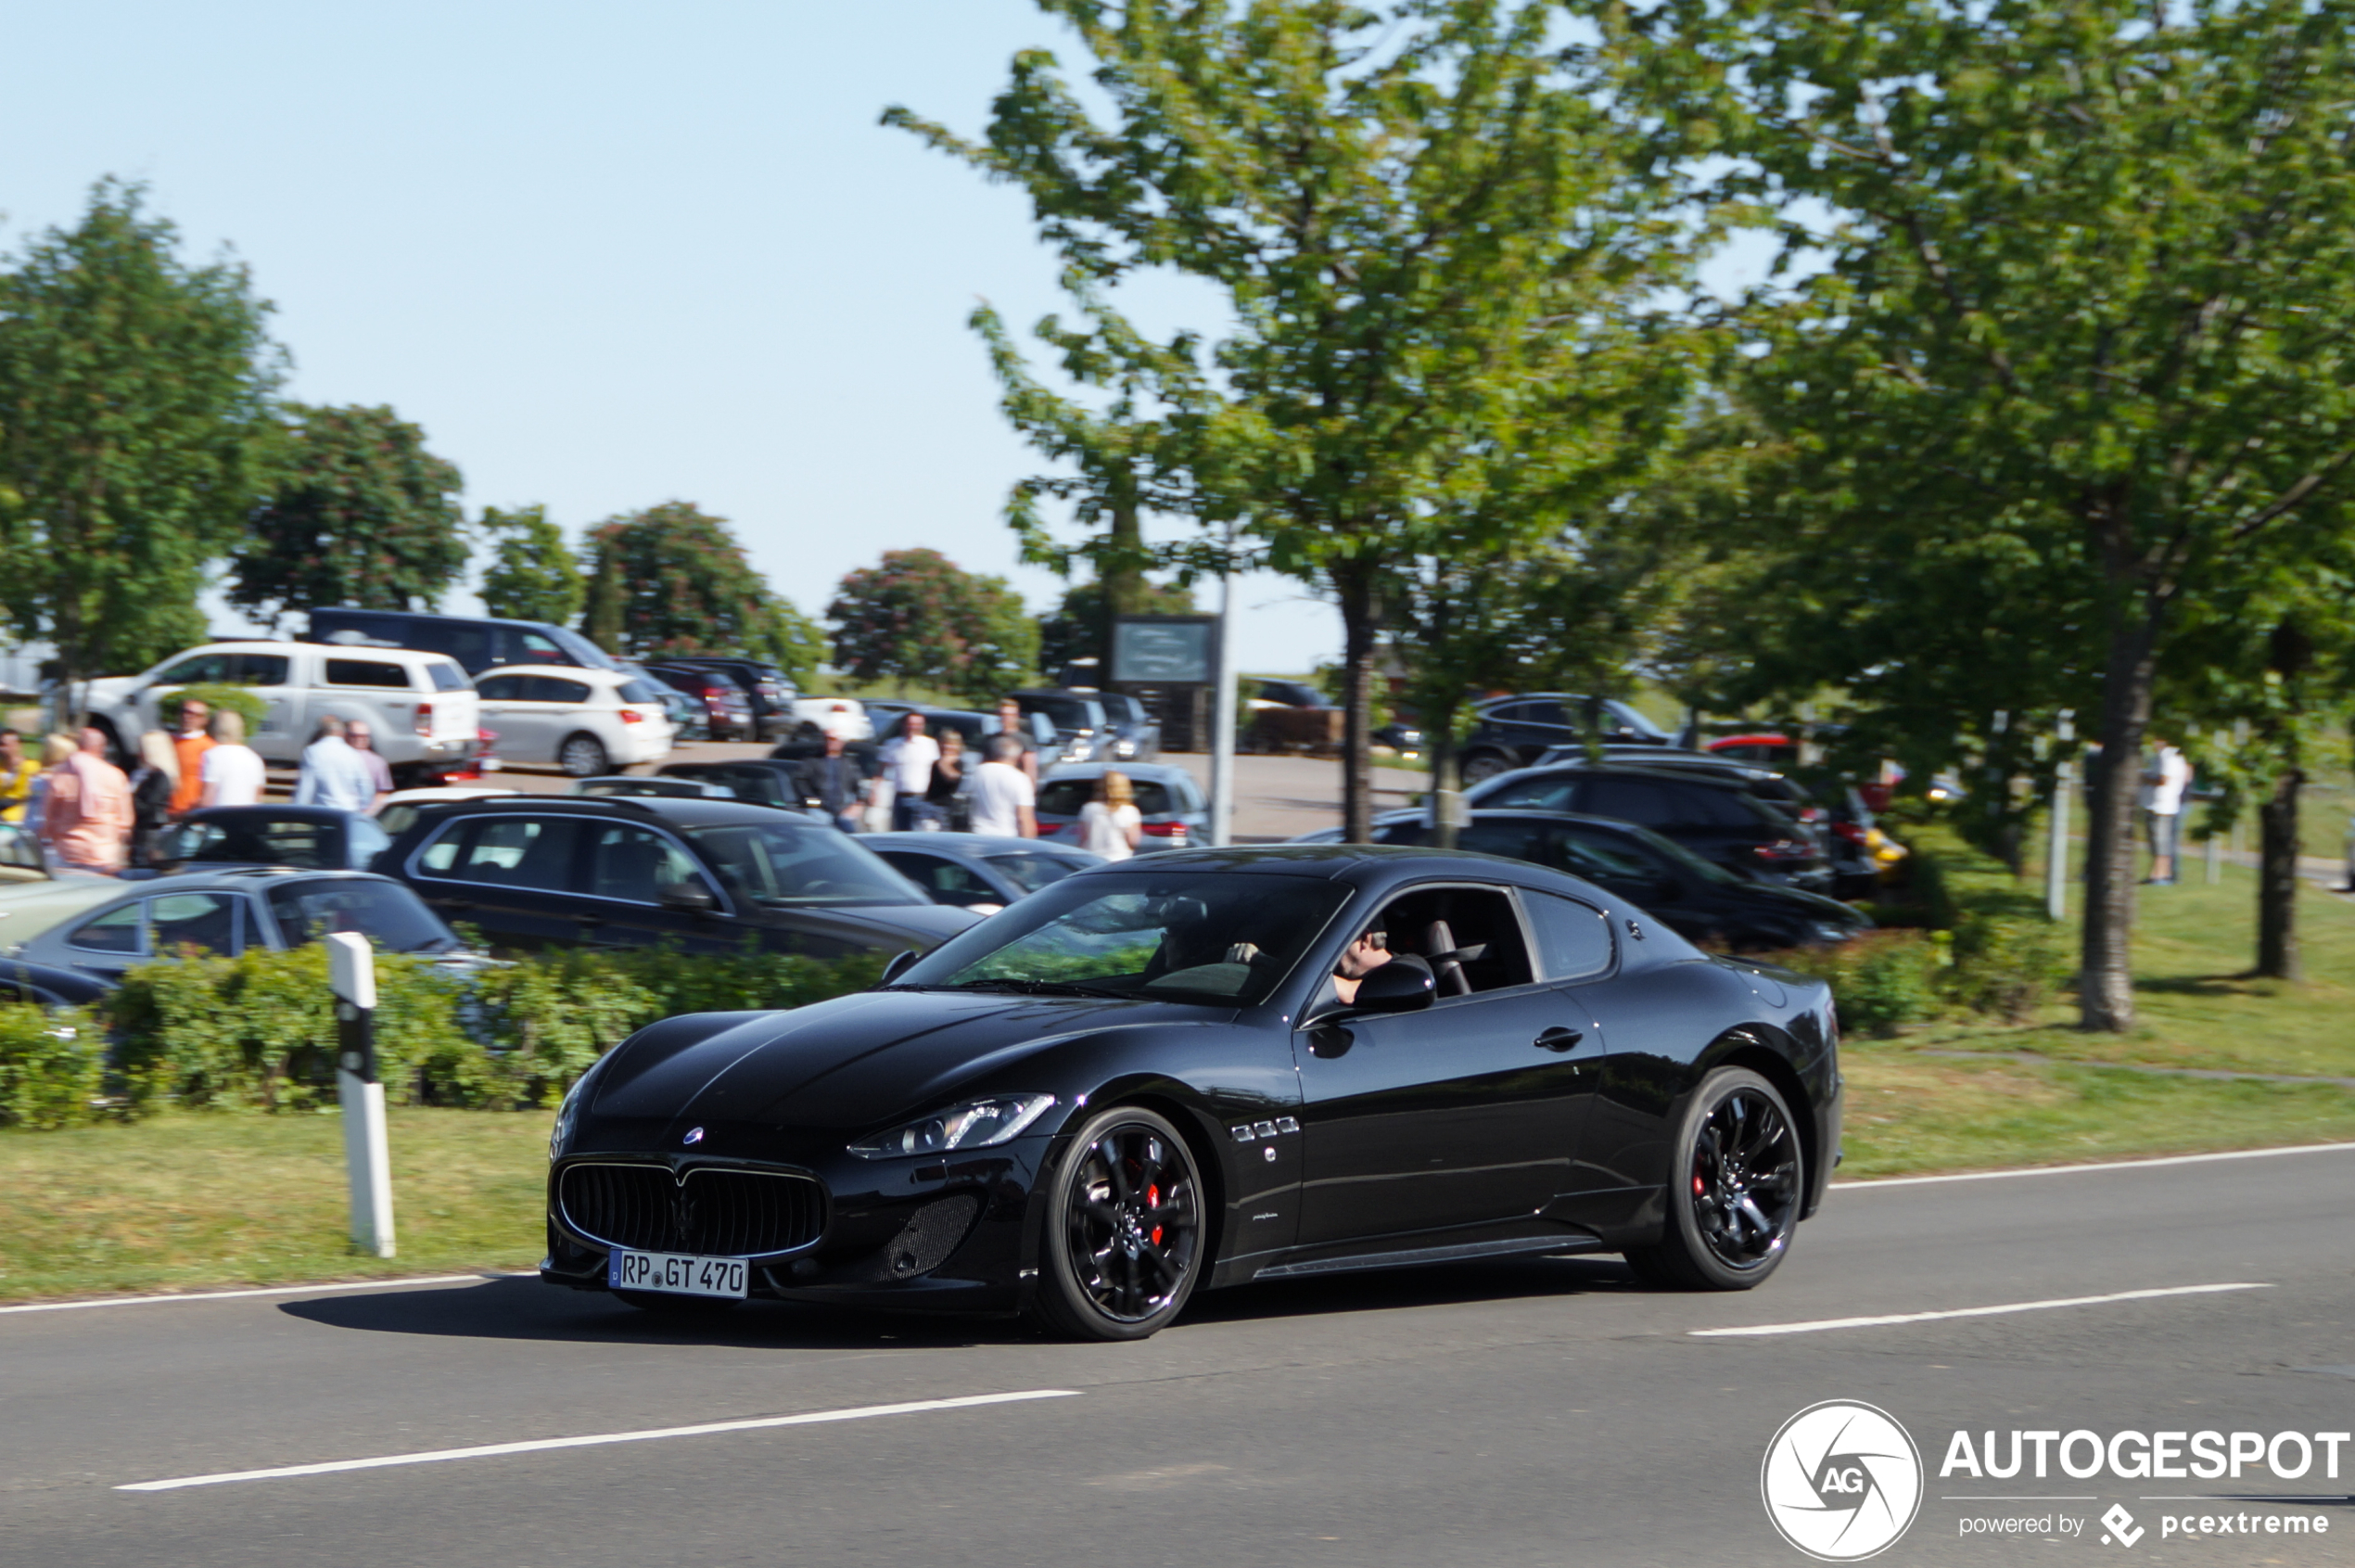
1209, 1066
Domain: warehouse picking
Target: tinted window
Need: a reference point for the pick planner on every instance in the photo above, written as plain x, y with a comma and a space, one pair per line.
1544, 792
948, 882
548, 688
511, 851
387, 914
1630, 800
584, 652
1032, 869
521, 645
1573, 941
1515, 841
785, 864
279, 841
447, 677
259, 669
366, 672
636, 691
1435, 922
1063, 798
467, 641
206, 922
501, 688
117, 931
1544, 713
634, 864
1712, 807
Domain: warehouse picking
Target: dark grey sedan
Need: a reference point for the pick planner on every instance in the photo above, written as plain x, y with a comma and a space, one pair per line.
977, 871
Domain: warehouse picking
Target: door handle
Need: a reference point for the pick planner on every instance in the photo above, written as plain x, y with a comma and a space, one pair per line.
1559, 1039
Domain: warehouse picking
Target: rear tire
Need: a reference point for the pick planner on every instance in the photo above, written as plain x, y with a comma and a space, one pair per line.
1481, 766
582, 756
1738, 1182
1125, 1229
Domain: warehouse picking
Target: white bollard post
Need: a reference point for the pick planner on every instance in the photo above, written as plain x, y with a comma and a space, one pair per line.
351, 973
2056, 852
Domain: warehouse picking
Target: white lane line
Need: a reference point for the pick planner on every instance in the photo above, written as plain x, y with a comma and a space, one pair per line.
390, 1282
1820, 1324
1869, 1185
493, 1450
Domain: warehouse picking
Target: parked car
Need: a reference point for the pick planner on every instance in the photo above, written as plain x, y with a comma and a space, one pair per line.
1175, 813
669, 789
1135, 735
311, 838
702, 875
585, 721
1140, 1082
1513, 732
397, 810
1082, 727
31, 899
689, 719
1718, 820
1288, 693
228, 910
1778, 789
769, 689
1697, 899
1039, 730
757, 781
478, 643
974, 871
420, 707
726, 707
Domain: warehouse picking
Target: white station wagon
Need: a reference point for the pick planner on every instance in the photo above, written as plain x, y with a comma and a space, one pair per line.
586, 721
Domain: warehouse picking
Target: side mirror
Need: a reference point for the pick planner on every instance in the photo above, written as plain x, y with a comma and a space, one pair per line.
691, 897
1396, 988
900, 963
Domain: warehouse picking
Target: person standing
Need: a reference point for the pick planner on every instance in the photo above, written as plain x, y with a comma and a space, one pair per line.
1111, 826
2164, 783
56, 752
907, 760
332, 772
87, 820
836, 781
17, 773
945, 792
188, 745
155, 785
1003, 801
357, 736
1012, 722
232, 770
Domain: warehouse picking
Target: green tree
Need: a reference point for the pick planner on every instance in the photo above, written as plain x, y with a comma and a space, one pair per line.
919, 618
672, 579
1081, 626
1408, 210
134, 434
2086, 289
364, 515
533, 574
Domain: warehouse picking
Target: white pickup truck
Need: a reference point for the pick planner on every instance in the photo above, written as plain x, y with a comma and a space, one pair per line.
421, 710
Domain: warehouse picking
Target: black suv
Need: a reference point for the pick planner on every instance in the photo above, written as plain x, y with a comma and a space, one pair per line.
478, 643
769, 689
633, 872
1514, 731
1717, 819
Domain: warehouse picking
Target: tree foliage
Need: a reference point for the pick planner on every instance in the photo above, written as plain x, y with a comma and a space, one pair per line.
2079, 330
363, 516
533, 574
672, 579
1419, 217
134, 433
917, 617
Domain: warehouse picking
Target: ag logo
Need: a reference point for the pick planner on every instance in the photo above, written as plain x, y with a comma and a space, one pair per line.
1841, 1481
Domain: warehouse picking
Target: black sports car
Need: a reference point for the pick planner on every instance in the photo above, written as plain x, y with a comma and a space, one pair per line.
1196, 1069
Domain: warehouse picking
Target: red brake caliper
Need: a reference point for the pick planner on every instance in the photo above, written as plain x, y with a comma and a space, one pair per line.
1153, 1200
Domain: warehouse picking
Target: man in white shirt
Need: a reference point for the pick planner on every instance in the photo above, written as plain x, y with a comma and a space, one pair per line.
2164, 783
333, 774
232, 771
907, 760
1003, 802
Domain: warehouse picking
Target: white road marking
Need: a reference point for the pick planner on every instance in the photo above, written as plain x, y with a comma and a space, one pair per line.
390, 1282
493, 1450
1867, 1185
1820, 1324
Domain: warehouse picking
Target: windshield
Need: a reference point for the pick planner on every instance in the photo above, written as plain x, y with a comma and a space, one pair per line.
584, 653
1186, 935
780, 865
387, 914
1033, 869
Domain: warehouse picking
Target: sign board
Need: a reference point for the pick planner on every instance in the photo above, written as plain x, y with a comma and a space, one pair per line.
1164, 650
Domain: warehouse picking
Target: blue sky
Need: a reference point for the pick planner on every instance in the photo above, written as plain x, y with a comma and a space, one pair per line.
605, 255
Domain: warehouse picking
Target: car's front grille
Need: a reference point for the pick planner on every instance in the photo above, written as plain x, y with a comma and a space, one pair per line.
717, 1211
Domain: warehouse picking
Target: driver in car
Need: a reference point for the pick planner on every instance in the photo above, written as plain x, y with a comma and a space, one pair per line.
1368, 952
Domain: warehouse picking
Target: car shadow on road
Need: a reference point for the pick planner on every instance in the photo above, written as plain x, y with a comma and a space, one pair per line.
526, 1308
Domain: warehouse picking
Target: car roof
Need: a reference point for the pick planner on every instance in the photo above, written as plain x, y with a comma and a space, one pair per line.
266, 809
686, 812
563, 671
976, 846
1156, 771
1366, 864
276, 645
1705, 779
250, 876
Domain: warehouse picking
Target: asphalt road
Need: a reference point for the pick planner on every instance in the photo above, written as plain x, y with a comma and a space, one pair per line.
1544, 1412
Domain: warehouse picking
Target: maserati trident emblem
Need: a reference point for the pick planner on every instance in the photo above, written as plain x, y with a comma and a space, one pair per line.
695, 1136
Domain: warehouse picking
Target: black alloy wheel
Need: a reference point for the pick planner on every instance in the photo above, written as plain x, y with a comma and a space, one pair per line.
1737, 1196
582, 756
1123, 1239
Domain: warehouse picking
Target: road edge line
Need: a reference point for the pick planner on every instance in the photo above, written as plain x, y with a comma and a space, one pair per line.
1870, 1182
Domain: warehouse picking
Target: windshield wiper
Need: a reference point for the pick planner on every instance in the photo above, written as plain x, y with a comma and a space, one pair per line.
1036, 988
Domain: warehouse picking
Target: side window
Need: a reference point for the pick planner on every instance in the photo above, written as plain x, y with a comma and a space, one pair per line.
763, 787
1712, 807
1544, 713
518, 645
511, 851
205, 669
1630, 800
1476, 924
547, 688
446, 676
367, 672
1515, 841
635, 864
206, 922
1546, 791
117, 931
501, 688
1573, 941
259, 669
948, 882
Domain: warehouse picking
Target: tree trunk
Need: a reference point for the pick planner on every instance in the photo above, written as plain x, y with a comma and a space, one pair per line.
2105, 984
1123, 579
2277, 952
1446, 787
1359, 625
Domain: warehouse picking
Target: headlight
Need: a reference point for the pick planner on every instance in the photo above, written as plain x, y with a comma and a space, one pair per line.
976, 1123
1832, 930
1126, 748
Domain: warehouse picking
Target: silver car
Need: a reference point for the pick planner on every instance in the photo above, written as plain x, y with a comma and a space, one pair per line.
1177, 815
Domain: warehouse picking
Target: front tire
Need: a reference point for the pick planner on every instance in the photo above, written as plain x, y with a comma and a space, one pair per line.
1734, 1202
1481, 766
582, 756
1125, 1234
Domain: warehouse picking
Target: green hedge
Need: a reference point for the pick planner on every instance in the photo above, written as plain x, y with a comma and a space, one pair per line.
257, 1033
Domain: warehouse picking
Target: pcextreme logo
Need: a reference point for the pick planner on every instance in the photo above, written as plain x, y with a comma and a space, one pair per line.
1843, 1481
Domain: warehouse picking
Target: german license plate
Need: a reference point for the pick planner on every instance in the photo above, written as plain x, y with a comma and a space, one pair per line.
675, 1273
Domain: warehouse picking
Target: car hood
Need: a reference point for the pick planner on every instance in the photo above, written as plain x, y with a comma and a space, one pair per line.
1795, 902
855, 1062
